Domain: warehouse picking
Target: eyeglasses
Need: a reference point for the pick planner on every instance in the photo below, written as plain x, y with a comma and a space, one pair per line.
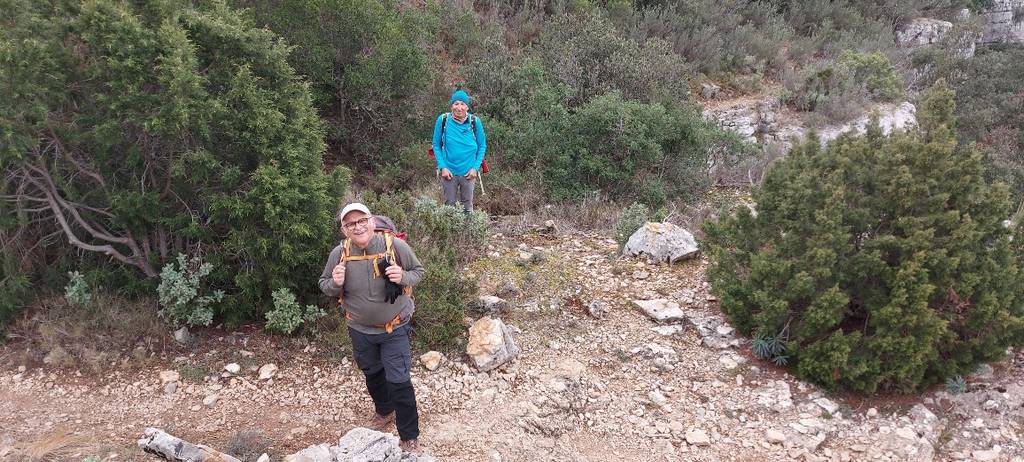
360, 222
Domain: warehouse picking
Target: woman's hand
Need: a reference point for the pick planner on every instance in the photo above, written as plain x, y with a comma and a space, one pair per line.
446, 174
471, 175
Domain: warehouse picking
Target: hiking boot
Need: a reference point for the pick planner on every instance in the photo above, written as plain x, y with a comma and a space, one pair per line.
381, 423
410, 446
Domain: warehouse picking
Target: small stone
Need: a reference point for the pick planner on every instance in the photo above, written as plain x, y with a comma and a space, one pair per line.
598, 309
660, 310
987, 454
263, 458
431, 360
697, 437
182, 335
906, 433
775, 436
210, 400
267, 371
828, 405
657, 398
872, 412
169, 376
233, 368
170, 388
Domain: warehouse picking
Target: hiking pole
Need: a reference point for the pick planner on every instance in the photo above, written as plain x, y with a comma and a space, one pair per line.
481, 178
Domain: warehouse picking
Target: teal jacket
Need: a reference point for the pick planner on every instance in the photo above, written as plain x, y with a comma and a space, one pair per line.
462, 149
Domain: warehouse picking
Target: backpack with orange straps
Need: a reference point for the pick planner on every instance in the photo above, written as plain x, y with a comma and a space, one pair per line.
383, 226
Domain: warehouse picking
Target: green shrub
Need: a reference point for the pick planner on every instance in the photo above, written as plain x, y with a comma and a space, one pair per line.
956, 385
587, 54
287, 315
717, 37
77, 291
180, 292
367, 65
874, 72
883, 261
164, 128
632, 219
840, 90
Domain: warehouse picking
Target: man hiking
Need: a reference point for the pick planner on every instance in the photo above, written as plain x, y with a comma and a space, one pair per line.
459, 145
373, 273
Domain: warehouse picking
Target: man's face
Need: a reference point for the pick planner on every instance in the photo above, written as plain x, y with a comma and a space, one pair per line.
459, 109
358, 226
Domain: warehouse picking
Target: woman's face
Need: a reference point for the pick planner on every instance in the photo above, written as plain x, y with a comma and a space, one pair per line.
459, 109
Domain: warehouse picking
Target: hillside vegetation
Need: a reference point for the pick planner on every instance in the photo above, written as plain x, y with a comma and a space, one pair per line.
194, 152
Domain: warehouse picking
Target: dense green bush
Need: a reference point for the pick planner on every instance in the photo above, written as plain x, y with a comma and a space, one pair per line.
141, 130
715, 36
587, 54
841, 89
367, 64
877, 262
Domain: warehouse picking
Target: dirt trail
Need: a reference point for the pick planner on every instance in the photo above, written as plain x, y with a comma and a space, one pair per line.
582, 389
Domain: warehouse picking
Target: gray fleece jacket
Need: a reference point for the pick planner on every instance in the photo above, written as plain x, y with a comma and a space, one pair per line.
364, 294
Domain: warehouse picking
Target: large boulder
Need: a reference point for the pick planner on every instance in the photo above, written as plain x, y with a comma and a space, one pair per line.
490, 344
661, 242
365, 445
172, 448
999, 24
891, 117
921, 32
660, 310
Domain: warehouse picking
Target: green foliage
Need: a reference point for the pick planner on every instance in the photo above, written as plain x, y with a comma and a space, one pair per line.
192, 372
366, 61
841, 89
585, 53
622, 148
884, 259
770, 347
631, 220
288, 315
180, 292
76, 292
956, 385
874, 72
14, 289
716, 37
169, 129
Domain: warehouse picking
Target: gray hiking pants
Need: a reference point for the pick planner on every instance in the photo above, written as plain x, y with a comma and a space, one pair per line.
458, 189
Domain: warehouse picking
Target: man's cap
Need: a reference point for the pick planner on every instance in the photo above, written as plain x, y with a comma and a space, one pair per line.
354, 207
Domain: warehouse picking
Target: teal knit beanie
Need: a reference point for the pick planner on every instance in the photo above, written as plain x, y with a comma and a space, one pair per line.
459, 95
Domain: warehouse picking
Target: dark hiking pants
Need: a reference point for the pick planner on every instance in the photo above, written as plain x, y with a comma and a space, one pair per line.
385, 360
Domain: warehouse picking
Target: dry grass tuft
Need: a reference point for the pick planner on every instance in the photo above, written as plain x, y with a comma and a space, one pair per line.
56, 446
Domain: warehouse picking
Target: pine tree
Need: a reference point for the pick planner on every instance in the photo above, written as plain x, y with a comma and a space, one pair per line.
881, 262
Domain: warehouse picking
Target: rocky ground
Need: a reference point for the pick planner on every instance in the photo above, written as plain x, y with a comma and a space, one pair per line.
596, 379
